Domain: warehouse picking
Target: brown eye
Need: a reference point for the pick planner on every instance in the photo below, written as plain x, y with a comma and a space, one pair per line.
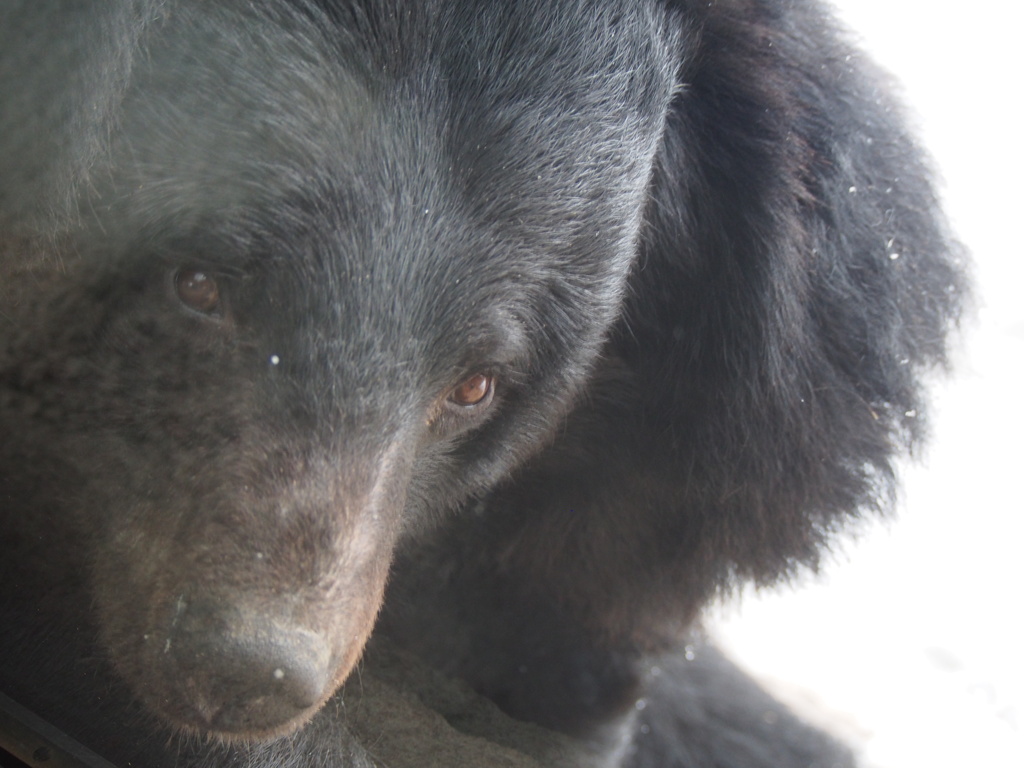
198, 291
476, 390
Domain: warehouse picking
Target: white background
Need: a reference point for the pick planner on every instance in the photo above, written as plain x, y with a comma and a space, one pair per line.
910, 645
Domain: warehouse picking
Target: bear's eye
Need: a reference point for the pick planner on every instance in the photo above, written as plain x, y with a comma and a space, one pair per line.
198, 291
476, 391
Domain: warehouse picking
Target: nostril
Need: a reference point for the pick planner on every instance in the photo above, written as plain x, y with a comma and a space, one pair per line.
242, 672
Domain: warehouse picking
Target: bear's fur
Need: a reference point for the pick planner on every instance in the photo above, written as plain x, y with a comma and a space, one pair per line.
536, 323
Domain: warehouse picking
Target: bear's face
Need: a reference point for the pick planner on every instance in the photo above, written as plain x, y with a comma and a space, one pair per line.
309, 309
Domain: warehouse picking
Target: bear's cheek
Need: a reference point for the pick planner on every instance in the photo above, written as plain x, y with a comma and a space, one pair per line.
243, 621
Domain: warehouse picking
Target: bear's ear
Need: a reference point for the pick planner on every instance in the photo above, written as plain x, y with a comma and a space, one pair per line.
796, 279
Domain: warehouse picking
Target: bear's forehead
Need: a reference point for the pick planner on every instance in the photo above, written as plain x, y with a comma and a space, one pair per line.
219, 115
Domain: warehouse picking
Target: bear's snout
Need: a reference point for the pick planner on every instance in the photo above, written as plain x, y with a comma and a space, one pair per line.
244, 610
242, 672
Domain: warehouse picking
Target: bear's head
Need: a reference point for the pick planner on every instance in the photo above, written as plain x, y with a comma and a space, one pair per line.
319, 287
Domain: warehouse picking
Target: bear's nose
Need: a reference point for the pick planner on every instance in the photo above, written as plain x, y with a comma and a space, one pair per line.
243, 672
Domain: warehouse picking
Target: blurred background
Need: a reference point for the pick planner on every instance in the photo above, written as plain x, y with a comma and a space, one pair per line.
910, 644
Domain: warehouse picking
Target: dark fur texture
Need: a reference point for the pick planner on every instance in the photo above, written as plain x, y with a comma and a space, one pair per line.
691, 243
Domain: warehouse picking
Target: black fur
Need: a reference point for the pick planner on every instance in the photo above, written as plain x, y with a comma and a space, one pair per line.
691, 244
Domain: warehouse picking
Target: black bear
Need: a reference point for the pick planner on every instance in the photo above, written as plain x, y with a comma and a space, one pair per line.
507, 332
